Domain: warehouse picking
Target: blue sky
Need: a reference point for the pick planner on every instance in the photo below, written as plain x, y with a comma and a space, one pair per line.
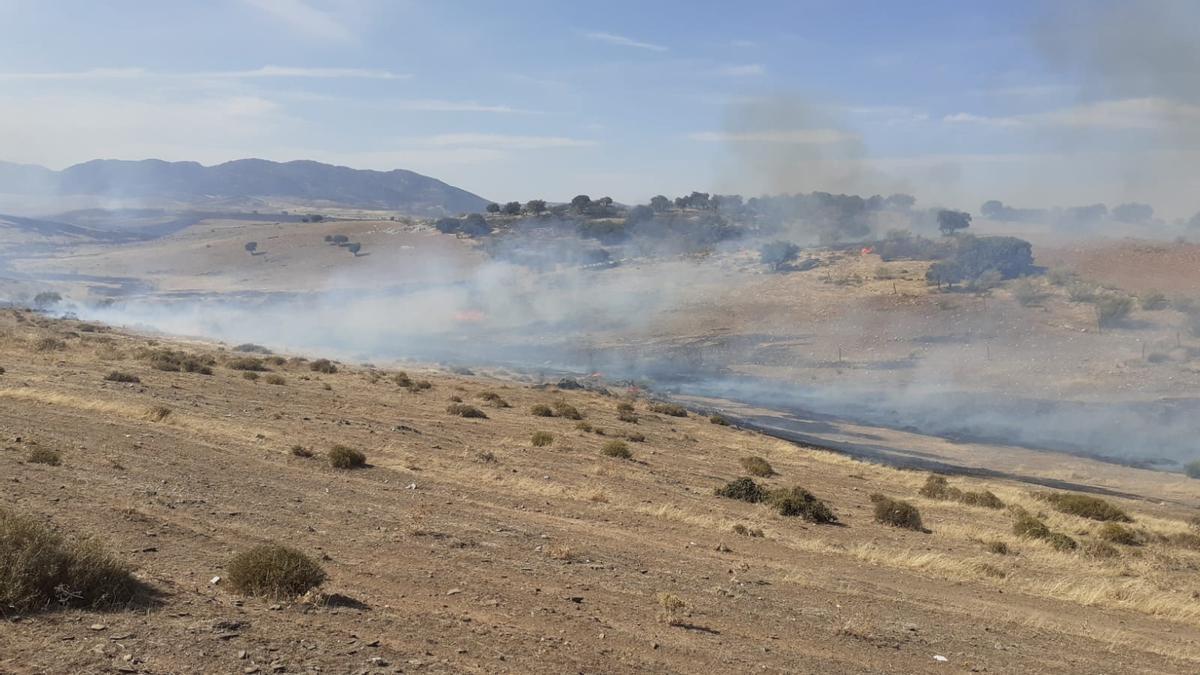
955, 102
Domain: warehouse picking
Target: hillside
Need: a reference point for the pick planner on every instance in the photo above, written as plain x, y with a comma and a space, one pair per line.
190, 182
464, 547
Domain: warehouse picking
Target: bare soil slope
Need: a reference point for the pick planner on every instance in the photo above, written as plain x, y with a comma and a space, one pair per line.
464, 548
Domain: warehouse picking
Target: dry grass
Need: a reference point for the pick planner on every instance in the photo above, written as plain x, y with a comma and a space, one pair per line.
274, 571
541, 439
45, 456
343, 457
757, 466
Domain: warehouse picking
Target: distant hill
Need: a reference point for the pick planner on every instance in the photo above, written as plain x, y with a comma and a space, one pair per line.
303, 181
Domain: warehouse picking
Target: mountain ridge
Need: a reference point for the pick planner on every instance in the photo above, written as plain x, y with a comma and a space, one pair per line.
308, 180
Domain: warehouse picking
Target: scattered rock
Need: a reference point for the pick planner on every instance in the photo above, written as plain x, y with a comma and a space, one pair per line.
97, 626
454, 591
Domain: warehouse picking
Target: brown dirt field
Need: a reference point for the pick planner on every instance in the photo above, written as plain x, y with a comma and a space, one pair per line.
1137, 266
463, 548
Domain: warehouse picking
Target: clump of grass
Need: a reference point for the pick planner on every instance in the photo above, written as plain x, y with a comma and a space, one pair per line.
251, 348
625, 407
1153, 300
636, 437
672, 609
560, 552
743, 489
274, 571
719, 420
1026, 525
249, 363
566, 411
1184, 540
323, 366
174, 361
997, 547
250, 375
455, 398
629, 417
1085, 506
585, 427
157, 413
1100, 549
1117, 533
403, 381
984, 498
276, 379
118, 376
344, 457
897, 513
1061, 542
669, 409
541, 410
301, 451
936, 487
464, 410
40, 568
494, 399
757, 466
541, 439
49, 344
47, 456
616, 449
747, 531
1027, 292
796, 501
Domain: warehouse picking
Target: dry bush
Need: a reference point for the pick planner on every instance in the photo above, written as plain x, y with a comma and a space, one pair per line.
249, 363
39, 569
45, 456
1116, 533
323, 366
1085, 506
757, 466
669, 409
560, 552
541, 410
277, 361
251, 348
747, 531
672, 610
616, 449
1062, 542
719, 420
936, 487
566, 411
493, 399
541, 439
301, 451
625, 407
1112, 308
1153, 300
403, 381
49, 344
742, 489
343, 457
1027, 292
274, 571
584, 427
635, 437
250, 375
984, 498
630, 417
997, 547
897, 513
1100, 549
174, 361
796, 501
1184, 540
276, 379
118, 376
464, 410
157, 413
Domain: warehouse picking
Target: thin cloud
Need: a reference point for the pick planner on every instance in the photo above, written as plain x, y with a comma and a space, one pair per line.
504, 141
1131, 113
263, 72
798, 136
623, 41
748, 70
436, 105
304, 18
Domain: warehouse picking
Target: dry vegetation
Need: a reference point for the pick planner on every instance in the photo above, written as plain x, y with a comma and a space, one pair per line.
515, 545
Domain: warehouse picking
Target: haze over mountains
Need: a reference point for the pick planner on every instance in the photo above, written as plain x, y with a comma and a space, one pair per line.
303, 182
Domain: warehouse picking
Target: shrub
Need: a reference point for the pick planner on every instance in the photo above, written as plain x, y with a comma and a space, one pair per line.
343, 457
323, 366
616, 449
1081, 291
39, 568
248, 363
984, 498
1118, 534
1061, 542
45, 456
997, 547
669, 409
1026, 525
1027, 292
494, 399
1112, 309
796, 501
157, 413
1100, 549
584, 427
1153, 300
275, 378
541, 410
1085, 506
49, 344
541, 439
118, 376
1192, 469
897, 513
937, 487
301, 451
757, 466
742, 489
625, 407
274, 571
747, 531
566, 410
251, 348
671, 609
635, 437
174, 361
627, 417
250, 375
464, 410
